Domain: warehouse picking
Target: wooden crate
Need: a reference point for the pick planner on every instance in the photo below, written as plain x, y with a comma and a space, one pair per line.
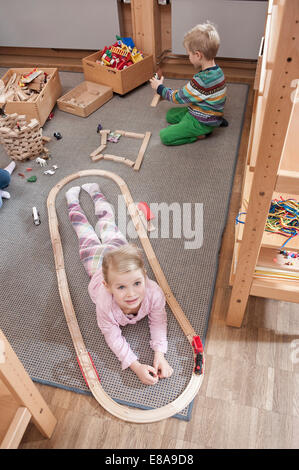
85, 98
121, 81
43, 105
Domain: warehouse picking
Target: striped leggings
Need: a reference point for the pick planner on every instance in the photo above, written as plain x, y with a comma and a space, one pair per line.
91, 249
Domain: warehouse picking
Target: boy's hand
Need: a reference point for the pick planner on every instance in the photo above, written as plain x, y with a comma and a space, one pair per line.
147, 374
161, 366
155, 82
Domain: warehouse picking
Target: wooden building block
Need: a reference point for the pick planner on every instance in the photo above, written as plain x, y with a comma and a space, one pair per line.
131, 134
142, 151
97, 157
104, 134
155, 100
97, 150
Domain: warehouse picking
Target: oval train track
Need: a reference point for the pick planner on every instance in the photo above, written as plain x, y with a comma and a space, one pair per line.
123, 412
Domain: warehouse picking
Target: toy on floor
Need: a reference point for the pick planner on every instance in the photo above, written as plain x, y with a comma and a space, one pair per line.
98, 155
113, 137
198, 351
146, 216
51, 171
41, 161
57, 135
32, 179
35, 215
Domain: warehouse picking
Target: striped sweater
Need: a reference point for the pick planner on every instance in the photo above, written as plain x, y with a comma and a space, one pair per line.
205, 95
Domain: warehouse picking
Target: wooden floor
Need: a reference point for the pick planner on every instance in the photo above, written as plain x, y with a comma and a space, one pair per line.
250, 395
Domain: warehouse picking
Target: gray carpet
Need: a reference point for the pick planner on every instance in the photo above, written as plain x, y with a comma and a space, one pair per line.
31, 315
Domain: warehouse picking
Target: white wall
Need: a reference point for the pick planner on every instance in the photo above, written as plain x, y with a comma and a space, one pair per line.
240, 24
65, 24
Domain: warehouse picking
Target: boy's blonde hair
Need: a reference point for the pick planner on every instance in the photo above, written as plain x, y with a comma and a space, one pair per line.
203, 38
122, 260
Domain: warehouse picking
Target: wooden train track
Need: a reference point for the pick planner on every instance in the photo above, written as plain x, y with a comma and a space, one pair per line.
90, 374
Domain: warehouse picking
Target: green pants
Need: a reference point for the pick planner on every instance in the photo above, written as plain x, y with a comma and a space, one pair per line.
184, 129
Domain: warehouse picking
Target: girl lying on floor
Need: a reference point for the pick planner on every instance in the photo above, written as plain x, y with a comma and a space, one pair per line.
119, 287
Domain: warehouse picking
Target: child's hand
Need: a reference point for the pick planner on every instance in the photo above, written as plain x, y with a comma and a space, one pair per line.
147, 374
161, 366
155, 82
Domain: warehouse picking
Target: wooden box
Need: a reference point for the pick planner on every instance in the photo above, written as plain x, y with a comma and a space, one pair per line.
121, 81
85, 98
46, 100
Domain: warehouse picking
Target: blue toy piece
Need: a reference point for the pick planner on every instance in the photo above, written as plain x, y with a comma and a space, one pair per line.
127, 41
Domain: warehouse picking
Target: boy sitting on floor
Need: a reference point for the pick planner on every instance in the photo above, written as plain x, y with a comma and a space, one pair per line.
205, 94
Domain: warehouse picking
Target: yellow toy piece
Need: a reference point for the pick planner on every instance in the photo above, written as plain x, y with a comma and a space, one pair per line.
136, 55
120, 51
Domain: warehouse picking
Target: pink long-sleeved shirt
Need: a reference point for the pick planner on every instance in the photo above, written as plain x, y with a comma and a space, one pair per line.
110, 317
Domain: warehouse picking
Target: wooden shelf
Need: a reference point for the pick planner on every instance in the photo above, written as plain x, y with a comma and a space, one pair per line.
272, 240
277, 290
268, 255
272, 168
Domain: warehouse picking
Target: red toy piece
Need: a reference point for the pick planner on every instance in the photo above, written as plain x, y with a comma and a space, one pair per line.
146, 210
198, 350
147, 215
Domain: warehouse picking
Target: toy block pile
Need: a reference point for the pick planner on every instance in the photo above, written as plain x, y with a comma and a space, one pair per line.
120, 55
23, 87
21, 140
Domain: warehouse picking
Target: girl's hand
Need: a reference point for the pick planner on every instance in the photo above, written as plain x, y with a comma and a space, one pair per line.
155, 82
147, 374
161, 366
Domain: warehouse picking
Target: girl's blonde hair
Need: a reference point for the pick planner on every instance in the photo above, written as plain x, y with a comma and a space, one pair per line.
203, 38
122, 260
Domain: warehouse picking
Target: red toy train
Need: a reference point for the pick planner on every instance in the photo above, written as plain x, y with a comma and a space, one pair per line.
198, 351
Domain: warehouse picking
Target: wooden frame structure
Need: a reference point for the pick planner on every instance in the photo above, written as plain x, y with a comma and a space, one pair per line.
272, 168
98, 155
123, 412
19, 400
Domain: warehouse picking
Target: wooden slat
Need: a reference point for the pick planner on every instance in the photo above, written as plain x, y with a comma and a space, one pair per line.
145, 25
142, 150
278, 290
289, 159
16, 430
287, 181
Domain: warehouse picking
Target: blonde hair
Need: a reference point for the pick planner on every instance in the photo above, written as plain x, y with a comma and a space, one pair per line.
203, 38
122, 260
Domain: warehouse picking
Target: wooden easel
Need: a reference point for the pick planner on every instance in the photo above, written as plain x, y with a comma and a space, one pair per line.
20, 401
